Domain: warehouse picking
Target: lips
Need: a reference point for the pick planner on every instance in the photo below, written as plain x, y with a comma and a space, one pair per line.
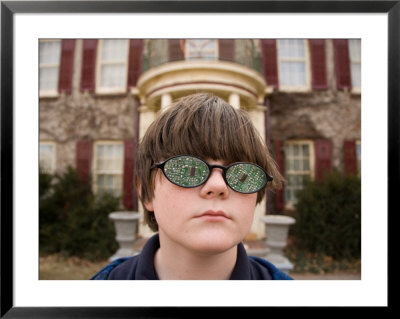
212, 214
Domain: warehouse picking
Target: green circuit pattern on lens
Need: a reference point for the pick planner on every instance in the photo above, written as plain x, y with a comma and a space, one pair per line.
186, 171
246, 178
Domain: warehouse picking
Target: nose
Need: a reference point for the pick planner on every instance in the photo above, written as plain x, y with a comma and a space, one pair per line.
215, 187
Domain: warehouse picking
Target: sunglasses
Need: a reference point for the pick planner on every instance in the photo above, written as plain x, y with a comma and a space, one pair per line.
190, 171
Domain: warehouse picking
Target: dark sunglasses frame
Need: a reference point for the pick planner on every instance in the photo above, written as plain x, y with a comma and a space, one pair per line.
210, 168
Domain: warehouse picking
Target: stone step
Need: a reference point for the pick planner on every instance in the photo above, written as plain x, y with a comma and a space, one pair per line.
256, 248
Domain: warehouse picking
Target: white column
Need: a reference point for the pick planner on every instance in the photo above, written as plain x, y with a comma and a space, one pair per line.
166, 100
234, 100
257, 227
257, 116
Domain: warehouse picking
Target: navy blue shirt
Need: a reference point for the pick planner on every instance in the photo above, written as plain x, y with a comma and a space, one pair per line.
141, 266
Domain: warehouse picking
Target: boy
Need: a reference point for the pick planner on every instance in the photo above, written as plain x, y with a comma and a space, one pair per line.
201, 169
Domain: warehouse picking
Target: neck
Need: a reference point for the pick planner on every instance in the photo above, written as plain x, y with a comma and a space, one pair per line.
174, 262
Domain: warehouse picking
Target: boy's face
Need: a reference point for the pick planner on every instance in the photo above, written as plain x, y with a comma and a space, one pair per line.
207, 219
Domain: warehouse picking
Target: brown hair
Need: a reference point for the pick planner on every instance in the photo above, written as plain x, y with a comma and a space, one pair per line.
205, 126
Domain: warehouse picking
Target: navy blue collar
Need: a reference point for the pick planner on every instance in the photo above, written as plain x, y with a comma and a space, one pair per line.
141, 266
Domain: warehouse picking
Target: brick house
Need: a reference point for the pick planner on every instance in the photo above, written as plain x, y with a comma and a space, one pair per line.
98, 96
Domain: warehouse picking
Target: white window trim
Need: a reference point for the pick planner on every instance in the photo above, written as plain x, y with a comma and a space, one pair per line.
289, 205
203, 58
110, 90
296, 88
50, 93
53, 160
355, 89
94, 162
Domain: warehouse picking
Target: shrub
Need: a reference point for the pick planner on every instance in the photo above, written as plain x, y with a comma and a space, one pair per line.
328, 217
72, 220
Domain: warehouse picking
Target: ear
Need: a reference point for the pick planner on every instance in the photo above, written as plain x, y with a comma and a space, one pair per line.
149, 206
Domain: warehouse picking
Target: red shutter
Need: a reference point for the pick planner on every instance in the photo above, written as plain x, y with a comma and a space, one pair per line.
350, 157
83, 159
342, 64
280, 161
66, 66
270, 61
135, 61
318, 63
323, 158
129, 164
88, 65
226, 49
175, 50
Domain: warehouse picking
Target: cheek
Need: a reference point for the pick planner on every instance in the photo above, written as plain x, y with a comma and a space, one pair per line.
245, 207
168, 202
158, 195
246, 202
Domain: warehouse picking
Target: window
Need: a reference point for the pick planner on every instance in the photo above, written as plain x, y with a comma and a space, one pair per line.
298, 167
201, 49
108, 168
293, 64
112, 66
49, 62
355, 63
358, 152
47, 159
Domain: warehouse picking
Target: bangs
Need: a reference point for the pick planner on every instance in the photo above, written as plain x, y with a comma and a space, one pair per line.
213, 130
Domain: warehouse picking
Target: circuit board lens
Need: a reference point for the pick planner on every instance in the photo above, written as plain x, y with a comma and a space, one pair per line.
186, 171
246, 178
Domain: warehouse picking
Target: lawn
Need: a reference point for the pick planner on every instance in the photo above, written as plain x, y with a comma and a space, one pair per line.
57, 267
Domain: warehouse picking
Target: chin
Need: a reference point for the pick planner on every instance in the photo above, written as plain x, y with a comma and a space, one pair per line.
212, 245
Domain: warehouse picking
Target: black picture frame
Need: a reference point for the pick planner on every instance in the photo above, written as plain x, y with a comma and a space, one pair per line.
9, 8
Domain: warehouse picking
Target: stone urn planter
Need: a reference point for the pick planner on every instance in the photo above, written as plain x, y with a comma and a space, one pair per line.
125, 224
277, 228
